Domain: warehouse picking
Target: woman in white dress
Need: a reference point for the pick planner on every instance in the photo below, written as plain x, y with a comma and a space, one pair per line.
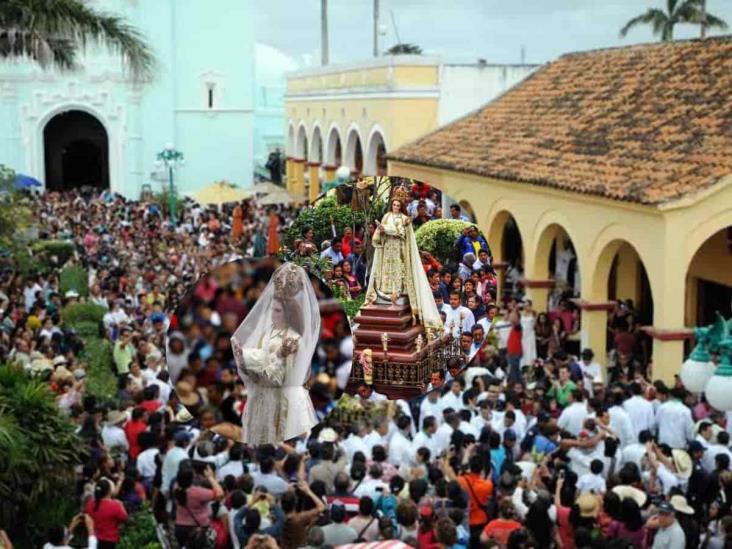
528, 335
273, 348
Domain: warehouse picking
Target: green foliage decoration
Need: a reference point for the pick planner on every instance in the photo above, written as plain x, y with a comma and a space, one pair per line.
139, 531
74, 277
319, 219
47, 250
438, 237
76, 313
101, 380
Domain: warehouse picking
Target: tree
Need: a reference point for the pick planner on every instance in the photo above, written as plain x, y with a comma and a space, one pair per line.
51, 33
39, 451
404, 49
677, 12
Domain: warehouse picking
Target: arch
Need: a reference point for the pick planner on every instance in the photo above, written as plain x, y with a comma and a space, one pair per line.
376, 152
708, 279
354, 149
301, 142
606, 265
315, 154
549, 254
604, 248
76, 150
704, 232
290, 149
334, 147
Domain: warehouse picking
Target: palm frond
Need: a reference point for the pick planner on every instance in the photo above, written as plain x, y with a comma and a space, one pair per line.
715, 22
657, 18
52, 32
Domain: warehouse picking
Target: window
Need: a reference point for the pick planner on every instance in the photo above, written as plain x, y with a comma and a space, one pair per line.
211, 96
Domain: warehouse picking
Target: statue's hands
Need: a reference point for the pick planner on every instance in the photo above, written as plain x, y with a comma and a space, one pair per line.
289, 346
238, 353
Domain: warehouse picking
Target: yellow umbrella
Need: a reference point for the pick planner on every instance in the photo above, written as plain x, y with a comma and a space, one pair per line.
221, 192
280, 197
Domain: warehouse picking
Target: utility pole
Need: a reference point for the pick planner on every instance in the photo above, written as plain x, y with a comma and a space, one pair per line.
376, 28
323, 32
703, 8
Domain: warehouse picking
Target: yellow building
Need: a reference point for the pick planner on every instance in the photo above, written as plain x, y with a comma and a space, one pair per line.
627, 154
352, 115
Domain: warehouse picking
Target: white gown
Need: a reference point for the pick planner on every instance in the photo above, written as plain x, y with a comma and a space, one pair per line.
528, 339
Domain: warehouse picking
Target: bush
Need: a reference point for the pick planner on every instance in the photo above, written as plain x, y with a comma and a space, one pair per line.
319, 218
101, 380
39, 452
24, 263
139, 532
74, 277
439, 238
61, 250
76, 313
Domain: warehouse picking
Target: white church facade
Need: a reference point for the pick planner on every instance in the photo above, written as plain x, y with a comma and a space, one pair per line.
95, 126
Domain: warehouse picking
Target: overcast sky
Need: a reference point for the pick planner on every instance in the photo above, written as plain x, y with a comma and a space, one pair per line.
461, 30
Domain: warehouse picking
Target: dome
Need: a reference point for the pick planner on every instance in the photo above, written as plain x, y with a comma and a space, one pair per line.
271, 65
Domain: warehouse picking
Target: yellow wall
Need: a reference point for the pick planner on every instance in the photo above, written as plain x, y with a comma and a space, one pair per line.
400, 75
664, 238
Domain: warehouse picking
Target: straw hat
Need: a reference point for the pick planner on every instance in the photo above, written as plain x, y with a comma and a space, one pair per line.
588, 505
327, 435
682, 462
115, 417
680, 504
183, 416
631, 492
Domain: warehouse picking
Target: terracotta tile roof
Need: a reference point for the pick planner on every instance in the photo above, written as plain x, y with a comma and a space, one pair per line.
648, 123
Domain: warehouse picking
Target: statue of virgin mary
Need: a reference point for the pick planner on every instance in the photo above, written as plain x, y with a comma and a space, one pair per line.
273, 348
397, 270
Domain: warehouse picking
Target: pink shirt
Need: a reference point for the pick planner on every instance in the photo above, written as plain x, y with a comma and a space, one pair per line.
195, 512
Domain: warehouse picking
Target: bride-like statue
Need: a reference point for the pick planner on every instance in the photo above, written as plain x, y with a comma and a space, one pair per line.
397, 270
273, 348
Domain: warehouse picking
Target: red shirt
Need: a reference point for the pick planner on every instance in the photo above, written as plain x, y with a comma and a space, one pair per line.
151, 406
426, 540
513, 344
500, 530
132, 430
107, 518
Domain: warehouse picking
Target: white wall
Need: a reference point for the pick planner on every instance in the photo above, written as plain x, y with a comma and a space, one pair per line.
464, 88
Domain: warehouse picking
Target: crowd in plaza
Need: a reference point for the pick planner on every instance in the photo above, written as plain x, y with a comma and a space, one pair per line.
524, 444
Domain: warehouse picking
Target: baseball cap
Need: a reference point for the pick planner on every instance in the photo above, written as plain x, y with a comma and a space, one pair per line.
510, 434
182, 436
696, 446
665, 507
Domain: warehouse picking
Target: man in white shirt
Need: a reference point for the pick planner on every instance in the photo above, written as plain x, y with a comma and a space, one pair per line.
593, 481
113, 436
173, 457
454, 397
484, 418
431, 406
367, 392
234, 466
590, 370
355, 441
675, 424
372, 485
633, 453
640, 410
145, 462
426, 437
719, 447
620, 421
400, 447
334, 252
573, 416
458, 319
483, 260
379, 435
29, 292
444, 432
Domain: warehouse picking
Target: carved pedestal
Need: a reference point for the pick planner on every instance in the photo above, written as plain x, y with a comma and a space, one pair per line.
398, 372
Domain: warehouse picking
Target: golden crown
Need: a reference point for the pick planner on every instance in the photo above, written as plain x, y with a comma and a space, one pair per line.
401, 194
287, 281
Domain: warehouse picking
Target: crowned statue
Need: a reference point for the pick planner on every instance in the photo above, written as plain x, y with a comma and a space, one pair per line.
273, 348
397, 273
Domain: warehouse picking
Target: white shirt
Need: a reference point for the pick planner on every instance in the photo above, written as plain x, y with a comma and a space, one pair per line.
713, 450
368, 487
374, 396
442, 438
500, 328
235, 468
469, 429
113, 436
633, 453
375, 439
353, 444
400, 449
478, 422
621, 423
453, 316
170, 466
30, 295
642, 415
675, 425
146, 462
572, 418
423, 439
591, 483
91, 544
429, 408
593, 370
451, 400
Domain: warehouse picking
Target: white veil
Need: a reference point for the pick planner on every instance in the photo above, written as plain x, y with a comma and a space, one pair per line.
290, 284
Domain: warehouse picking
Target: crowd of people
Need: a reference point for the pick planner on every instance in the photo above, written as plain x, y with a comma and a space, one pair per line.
526, 446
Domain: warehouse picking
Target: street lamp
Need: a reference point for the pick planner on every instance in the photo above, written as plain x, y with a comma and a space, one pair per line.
719, 387
698, 368
171, 158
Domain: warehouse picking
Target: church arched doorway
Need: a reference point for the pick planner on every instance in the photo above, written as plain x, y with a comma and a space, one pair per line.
76, 149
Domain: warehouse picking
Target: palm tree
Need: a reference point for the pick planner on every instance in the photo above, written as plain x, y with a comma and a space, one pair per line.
401, 49
677, 11
51, 33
